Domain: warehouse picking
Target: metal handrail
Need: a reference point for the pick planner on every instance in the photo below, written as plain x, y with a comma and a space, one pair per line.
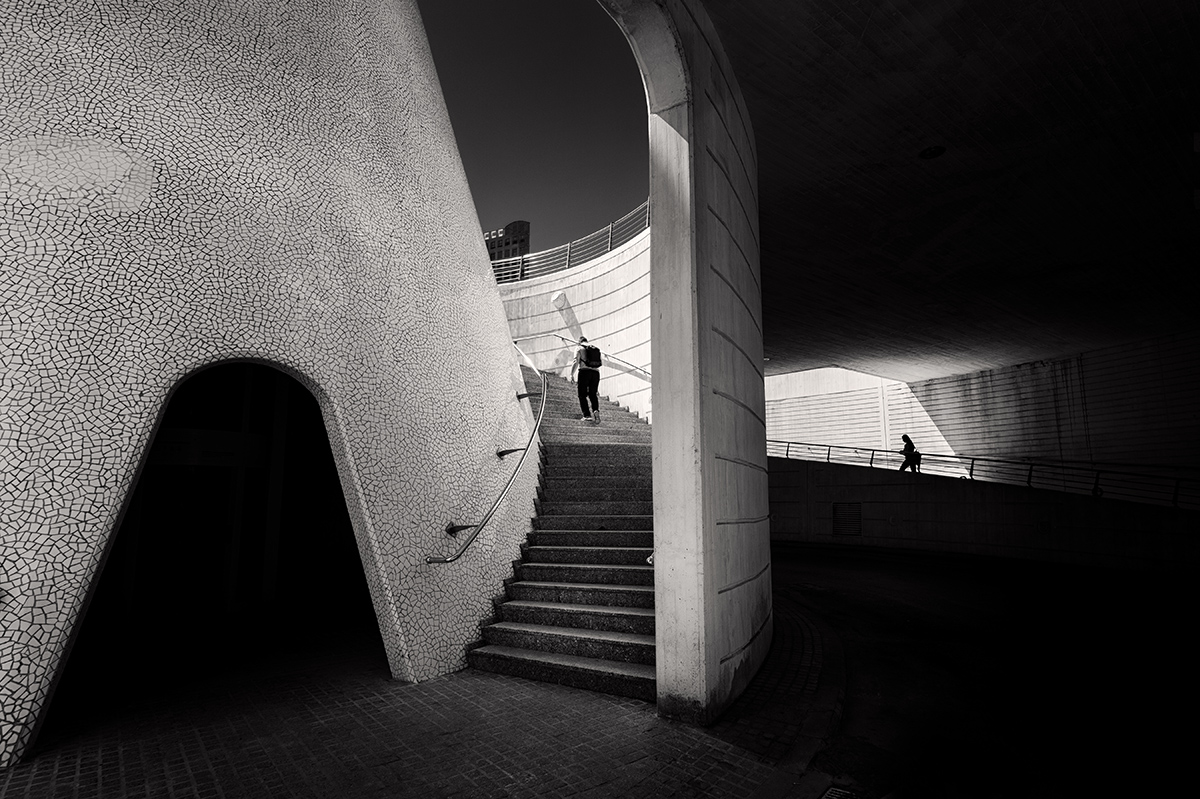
574, 253
1176, 489
453, 529
645, 373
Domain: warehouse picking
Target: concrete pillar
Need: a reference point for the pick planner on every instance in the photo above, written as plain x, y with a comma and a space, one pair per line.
712, 543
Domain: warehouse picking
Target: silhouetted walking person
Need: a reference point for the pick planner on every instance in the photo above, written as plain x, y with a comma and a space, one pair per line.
912, 458
587, 364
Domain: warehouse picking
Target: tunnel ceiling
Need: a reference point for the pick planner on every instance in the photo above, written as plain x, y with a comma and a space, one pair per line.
1059, 217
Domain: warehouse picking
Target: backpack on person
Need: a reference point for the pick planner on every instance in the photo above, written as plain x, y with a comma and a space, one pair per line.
591, 356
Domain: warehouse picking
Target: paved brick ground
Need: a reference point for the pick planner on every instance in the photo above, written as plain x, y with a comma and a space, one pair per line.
767, 718
331, 724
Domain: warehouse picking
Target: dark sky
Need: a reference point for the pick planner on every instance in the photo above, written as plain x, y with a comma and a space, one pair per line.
548, 109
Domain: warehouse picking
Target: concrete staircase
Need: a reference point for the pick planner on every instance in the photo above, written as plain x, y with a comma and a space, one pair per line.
580, 608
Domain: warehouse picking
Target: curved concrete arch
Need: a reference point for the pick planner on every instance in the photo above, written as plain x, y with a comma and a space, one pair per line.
712, 539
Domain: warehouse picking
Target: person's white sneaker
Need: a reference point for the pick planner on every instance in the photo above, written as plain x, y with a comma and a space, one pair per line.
596, 416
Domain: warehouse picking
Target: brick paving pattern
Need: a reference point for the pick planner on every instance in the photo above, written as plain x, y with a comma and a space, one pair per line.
767, 718
332, 724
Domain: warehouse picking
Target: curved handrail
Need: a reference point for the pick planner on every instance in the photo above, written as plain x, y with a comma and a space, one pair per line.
453, 529
1177, 489
644, 373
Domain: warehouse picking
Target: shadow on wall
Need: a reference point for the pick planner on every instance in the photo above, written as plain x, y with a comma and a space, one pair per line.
236, 549
570, 324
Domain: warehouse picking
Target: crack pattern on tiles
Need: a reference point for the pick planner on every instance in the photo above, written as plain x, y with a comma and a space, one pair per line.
200, 181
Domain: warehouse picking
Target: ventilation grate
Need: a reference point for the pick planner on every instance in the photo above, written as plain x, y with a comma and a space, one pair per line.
847, 518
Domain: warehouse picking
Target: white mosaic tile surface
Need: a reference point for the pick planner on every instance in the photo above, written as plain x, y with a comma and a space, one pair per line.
186, 182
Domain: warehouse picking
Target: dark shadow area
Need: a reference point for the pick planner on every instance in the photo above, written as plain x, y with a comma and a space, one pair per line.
974, 677
236, 560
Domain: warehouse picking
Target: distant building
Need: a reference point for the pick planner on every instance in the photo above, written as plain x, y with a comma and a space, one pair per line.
509, 241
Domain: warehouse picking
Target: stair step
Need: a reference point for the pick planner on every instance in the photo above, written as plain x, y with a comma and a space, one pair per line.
599, 556
586, 573
623, 481
643, 539
597, 508
611, 417
581, 609
604, 467
612, 677
626, 596
624, 647
591, 617
640, 462
572, 450
590, 522
586, 490
604, 431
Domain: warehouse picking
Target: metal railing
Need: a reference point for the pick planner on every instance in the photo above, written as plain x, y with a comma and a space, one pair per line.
593, 245
1177, 487
637, 371
453, 529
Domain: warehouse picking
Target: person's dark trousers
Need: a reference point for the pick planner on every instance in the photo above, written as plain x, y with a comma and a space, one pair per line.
589, 383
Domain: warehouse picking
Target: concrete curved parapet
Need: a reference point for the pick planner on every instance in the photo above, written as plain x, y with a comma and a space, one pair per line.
606, 299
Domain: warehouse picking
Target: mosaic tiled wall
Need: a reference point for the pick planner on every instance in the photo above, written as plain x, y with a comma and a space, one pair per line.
192, 181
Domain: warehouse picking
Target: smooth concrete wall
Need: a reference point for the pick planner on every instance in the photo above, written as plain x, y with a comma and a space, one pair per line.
711, 532
849, 409
1129, 404
944, 514
606, 299
209, 180
1132, 404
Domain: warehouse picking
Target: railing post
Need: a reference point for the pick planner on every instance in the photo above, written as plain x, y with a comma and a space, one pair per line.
568, 266
971, 471
787, 452
828, 454
1029, 477
610, 227
521, 269
872, 463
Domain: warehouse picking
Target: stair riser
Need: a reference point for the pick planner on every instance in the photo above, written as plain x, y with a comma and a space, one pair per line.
610, 418
601, 467
623, 481
558, 508
593, 522
566, 432
605, 622
566, 573
569, 450
593, 538
570, 645
636, 459
595, 556
561, 400
615, 596
582, 492
619, 685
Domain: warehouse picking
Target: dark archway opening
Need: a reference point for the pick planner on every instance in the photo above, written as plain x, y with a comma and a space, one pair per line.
235, 560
